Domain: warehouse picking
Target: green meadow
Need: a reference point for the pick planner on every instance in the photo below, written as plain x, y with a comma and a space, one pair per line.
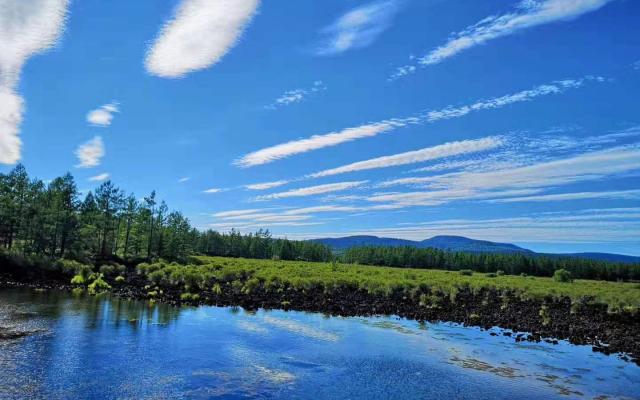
244, 275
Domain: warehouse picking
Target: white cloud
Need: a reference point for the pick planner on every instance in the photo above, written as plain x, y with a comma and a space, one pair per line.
200, 33
508, 182
26, 28
90, 153
183, 180
614, 194
103, 115
411, 157
100, 178
212, 190
266, 185
357, 28
296, 95
529, 13
313, 190
315, 142
498, 102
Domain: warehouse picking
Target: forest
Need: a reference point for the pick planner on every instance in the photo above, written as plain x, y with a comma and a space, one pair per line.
510, 264
52, 220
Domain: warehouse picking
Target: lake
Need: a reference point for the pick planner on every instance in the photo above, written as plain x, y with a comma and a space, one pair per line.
109, 348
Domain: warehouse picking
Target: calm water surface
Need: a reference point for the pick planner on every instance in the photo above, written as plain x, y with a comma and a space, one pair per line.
108, 348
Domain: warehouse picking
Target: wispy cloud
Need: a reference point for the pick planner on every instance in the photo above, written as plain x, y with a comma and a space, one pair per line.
90, 153
613, 194
213, 190
498, 102
26, 28
296, 95
183, 180
508, 182
315, 142
313, 190
528, 14
200, 33
411, 157
357, 28
102, 116
99, 178
266, 185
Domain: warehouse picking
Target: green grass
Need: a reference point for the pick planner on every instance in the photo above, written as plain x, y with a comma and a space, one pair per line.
245, 275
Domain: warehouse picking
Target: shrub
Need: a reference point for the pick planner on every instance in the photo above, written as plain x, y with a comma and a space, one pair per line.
156, 277
491, 275
499, 272
78, 280
216, 289
98, 285
69, 267
189, 296
107, 270
120, 279
466, 272
562, 275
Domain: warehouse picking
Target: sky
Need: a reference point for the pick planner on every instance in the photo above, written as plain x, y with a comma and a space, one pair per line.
512, 121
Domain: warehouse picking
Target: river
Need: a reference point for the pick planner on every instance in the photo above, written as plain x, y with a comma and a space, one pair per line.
108, 348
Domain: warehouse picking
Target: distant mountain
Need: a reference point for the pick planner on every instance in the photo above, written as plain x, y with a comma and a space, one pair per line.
460, 243
453, 243
359, 241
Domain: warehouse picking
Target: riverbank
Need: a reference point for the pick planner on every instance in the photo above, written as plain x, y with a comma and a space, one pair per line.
601, 314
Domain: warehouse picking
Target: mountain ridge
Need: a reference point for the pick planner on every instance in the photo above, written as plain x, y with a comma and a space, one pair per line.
461, 244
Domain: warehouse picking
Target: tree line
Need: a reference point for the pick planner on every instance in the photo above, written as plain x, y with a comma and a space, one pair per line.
512, 264
53, 220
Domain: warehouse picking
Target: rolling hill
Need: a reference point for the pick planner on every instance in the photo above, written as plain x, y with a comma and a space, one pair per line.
460, 243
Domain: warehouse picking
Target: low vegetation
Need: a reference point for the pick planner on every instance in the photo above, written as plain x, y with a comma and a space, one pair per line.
216, 274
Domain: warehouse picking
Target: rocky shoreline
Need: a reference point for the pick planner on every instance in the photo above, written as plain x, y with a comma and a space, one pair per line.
550, 319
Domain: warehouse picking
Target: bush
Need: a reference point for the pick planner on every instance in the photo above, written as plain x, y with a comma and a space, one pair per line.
562, 275
189, 296
499, 272
107, 270
156, 277
120, 279
98, 285
491, 275
78, 280
466, 272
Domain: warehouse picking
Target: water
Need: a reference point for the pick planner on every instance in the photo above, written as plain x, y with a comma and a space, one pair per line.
108, 348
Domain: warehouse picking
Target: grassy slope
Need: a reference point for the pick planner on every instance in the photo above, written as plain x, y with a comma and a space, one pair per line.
382, 279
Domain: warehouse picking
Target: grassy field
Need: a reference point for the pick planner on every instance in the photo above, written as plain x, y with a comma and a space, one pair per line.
245, 275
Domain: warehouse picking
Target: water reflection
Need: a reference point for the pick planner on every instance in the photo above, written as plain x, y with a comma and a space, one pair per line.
77, 346
97, 311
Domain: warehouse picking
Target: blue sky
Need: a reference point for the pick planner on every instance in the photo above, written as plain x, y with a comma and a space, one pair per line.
513, 121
